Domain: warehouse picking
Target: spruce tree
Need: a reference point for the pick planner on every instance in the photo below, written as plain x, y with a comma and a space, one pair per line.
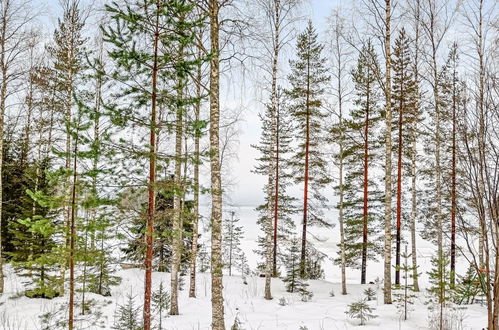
127, 316
232, 235
161, 303
361, 310
308, 78
404, 295
362, 197
293, 279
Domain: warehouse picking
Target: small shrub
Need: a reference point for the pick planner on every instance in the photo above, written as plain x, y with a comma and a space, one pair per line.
306, 295
331, 293
283, 301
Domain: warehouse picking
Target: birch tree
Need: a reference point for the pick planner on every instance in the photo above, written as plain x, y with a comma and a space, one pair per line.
15, 16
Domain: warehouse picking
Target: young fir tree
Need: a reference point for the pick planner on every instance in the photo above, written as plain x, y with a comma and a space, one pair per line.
404, 101
308, 79
127, 316
293, 280
161, 303
232, 235
361, 310
285, 207
404, 294
440, 288
362, 198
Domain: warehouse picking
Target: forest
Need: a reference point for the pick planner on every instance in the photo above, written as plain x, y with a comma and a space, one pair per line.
249, 164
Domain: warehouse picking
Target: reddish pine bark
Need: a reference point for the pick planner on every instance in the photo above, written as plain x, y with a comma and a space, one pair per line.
152, 177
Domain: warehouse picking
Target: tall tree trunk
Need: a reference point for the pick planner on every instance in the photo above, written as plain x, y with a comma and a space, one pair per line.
152, 179
276, 197
399, 186
387, 293
453, 185
305, 181
177, 221
342, 196
197, 159
275, 137
3, 96
72, 236
365, 197
217, 301
414, 153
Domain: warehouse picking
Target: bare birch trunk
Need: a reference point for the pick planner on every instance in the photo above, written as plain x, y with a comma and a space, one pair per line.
217, 301
195, 234
387, 295
177, 221
414, 153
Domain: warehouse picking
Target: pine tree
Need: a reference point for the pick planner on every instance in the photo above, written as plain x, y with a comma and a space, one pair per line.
285, 206
143, 73
307, 79
361, 204
404, 101
68, 54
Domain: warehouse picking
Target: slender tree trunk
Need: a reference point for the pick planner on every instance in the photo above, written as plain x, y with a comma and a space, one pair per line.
177, 221
399, 186
305, 181
342, 196
387, 294
217, 300
365, 197
414, 153
72, 237
453, 185
195, 235
3, 97
152, 179
276, 197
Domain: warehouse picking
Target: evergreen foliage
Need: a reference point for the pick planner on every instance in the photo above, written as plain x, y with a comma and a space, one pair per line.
293, 280
361, 310
127, 316
363, 118
161, 303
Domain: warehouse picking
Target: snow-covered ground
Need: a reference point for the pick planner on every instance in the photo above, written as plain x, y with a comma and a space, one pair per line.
244, 301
